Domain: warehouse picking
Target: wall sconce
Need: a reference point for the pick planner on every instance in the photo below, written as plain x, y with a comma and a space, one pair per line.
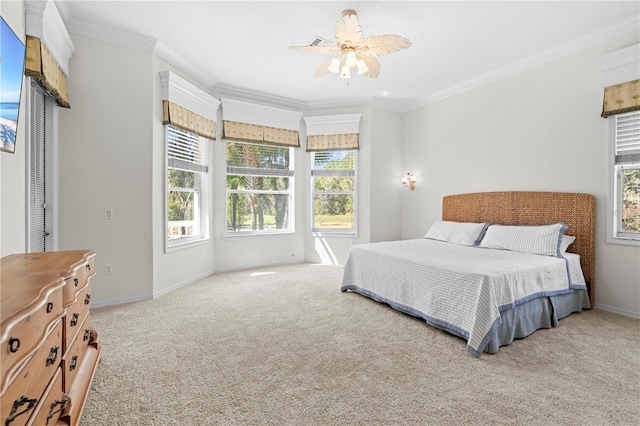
410, 181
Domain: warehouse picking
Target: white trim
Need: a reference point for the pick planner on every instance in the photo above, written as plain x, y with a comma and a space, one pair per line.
181, 92
261, 115
43, 20
619, 311
333, 124
620, 29
620, 66
175, 287
125, 301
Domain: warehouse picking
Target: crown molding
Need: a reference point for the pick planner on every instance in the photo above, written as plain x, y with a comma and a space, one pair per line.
108, 34
620, 29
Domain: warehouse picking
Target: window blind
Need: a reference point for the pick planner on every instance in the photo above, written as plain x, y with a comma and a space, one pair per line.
627, 138
186, 151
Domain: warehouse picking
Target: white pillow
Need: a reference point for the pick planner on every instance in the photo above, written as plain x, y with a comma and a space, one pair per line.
567, 240
463, 233
543, 240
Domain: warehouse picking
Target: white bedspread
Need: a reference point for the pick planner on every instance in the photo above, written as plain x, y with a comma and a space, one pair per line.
459, 288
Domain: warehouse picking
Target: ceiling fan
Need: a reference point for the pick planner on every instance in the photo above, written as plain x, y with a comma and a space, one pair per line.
353, 50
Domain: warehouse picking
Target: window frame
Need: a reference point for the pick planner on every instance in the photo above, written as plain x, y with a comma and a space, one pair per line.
204, 197
614, 211
263, 172
334, 232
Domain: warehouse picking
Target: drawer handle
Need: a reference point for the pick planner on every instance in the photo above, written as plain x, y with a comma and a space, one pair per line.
87, 299
88, 267
14, 344
49, 307
74, 319
74, 361
17, 404
75, 282
53, 411
87, 334
53, 355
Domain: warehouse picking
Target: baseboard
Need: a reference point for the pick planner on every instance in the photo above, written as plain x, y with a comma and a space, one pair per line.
617, 310
265, 265
180, 284
119, 301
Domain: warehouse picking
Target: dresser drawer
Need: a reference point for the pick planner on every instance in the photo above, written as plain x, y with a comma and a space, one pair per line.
76, 314
74, 355
52, 404
24, 332
25, 392
76, 282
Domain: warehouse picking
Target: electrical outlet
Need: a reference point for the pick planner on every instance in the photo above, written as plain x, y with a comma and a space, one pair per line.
108, 269
108, 213
228, 247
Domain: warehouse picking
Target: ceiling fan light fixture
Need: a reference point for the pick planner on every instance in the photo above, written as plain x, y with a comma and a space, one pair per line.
351, 60
362, 66
346, 73
334, 67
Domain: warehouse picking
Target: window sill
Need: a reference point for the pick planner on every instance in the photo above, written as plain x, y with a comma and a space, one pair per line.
623, 241
175, 246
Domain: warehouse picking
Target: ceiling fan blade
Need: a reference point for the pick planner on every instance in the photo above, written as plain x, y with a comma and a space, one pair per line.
379, 45
348, 29
324, 68
373, 65
315, 49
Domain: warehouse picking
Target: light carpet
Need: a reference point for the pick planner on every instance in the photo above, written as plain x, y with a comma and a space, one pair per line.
283, 346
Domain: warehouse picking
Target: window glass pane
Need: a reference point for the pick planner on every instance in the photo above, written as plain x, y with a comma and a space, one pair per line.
257, 183
333, 211
630, 201
334, 184
257, 212
180, 179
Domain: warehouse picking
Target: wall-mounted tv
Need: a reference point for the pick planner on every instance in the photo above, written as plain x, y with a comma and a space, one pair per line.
12, 57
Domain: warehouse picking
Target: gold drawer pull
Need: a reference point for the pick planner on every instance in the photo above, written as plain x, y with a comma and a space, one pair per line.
53, 355
74, 319
14, 344
16, 405
53, 411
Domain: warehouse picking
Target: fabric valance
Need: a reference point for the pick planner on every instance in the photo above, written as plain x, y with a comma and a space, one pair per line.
261, 134
333, 132
621, 98
249, 122
41, 64
188, 120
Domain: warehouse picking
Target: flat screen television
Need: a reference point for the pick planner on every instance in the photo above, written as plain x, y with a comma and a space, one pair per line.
12, 57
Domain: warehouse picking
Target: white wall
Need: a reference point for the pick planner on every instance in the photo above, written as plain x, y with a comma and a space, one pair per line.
539, 130
13, 166
105, 161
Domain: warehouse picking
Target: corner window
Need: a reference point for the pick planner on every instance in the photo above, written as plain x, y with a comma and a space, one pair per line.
187, 187
624, 213
260, 180
333, 187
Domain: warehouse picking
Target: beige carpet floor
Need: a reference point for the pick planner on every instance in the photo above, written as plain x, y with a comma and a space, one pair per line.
283, 346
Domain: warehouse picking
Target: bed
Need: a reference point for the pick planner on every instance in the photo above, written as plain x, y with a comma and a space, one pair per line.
487, 296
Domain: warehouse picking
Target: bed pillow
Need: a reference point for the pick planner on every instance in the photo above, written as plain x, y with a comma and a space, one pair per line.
567, 240
462, 233
544, 240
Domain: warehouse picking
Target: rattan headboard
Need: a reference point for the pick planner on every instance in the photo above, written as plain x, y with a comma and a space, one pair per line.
533, 208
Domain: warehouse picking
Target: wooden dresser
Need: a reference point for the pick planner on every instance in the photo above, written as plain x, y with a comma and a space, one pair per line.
49, 352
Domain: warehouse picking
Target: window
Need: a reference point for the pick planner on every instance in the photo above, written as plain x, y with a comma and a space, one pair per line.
333, 186
625, 217
260, 182
187, 187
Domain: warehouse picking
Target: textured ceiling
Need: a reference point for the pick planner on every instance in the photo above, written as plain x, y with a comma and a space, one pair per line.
241, 46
